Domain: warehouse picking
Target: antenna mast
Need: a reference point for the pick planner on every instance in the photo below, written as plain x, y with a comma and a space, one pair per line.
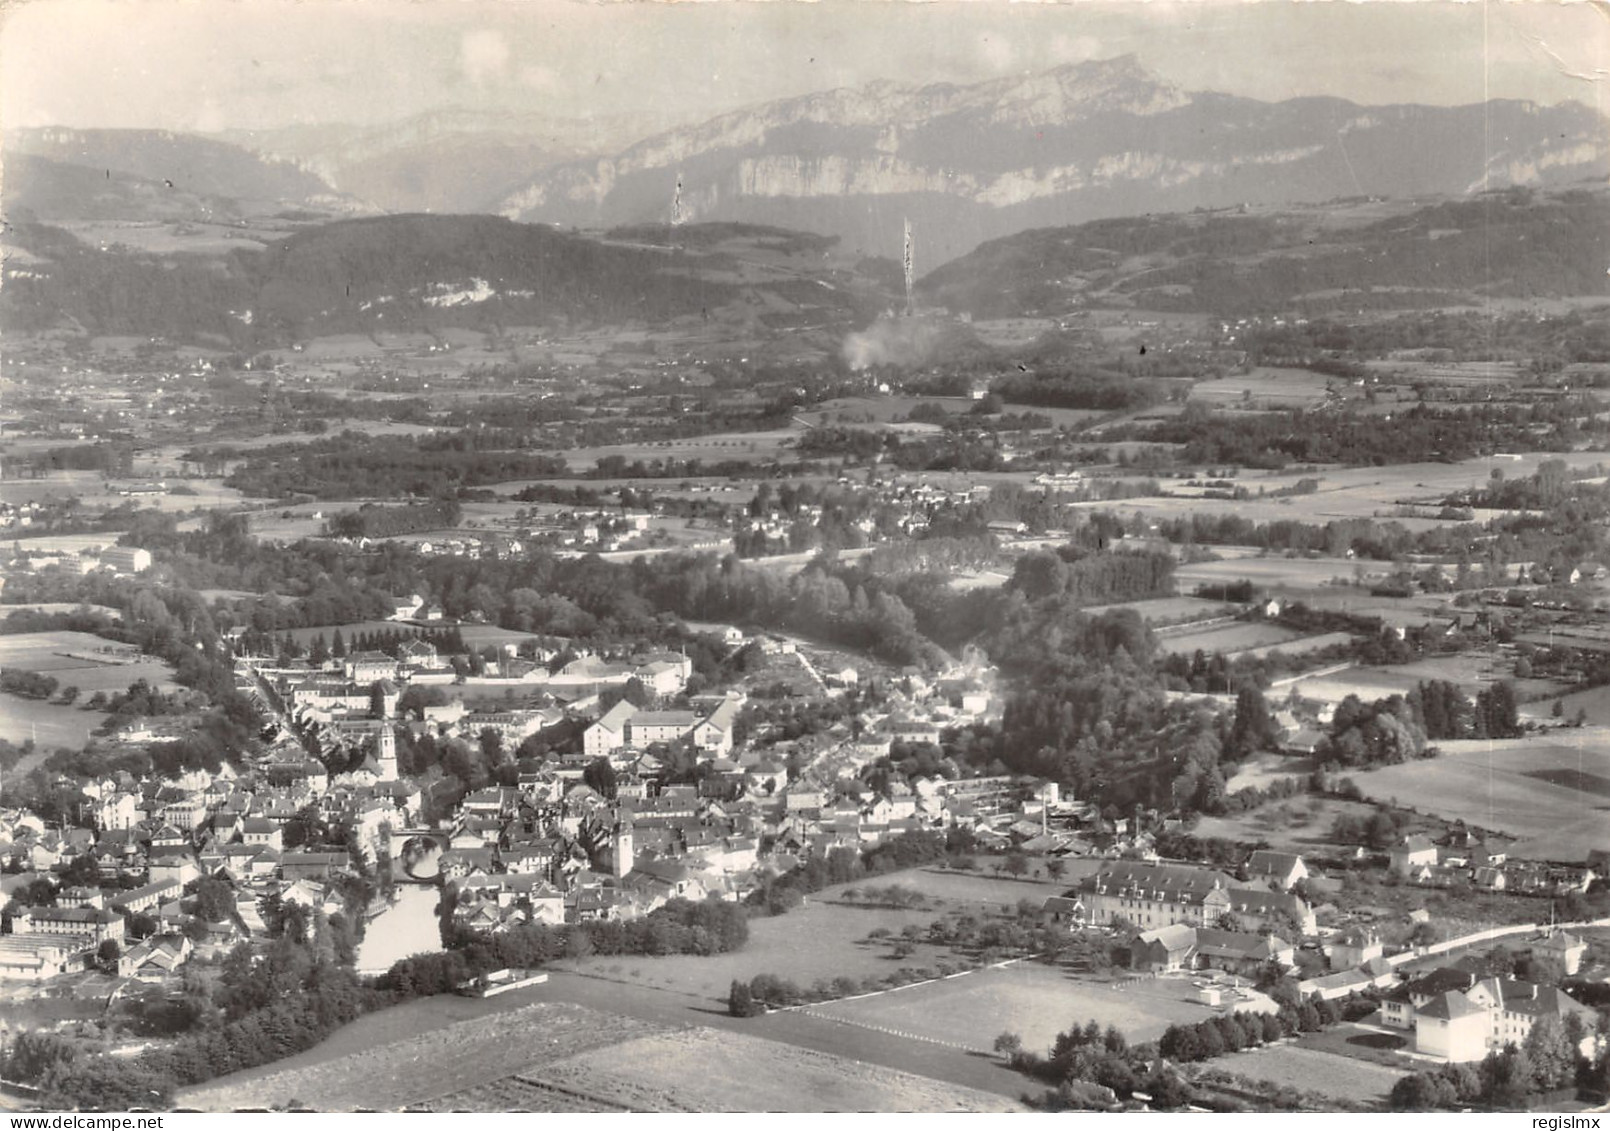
910, 267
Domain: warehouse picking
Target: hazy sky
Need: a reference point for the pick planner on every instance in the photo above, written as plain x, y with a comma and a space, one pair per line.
210, 64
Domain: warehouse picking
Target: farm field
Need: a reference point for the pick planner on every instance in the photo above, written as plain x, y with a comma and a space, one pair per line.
880, 410
1261, 769
491, 636
515, 1093
976, 888
1472, 671
1266, 387
1593, 702
48, 653
1408, 612
423, 1066
1552, 793
1313, 1071
1234, 637
1032, 1000
293, 523
1298, 646
51, 724
1318, 509
392, 1036
1168, 610
64, 543
826, 939
1307, 573
1359, 492
1012, 331
1470, 373
90, 487
742, 1073
61, 607
48, 724
818, 942
749, 446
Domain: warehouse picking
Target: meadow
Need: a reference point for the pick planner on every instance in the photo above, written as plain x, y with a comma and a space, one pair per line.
413, 1066
77, 658
1266, 387
1168, 610
1030, 999
1471, 671
818, 942
1299, 825
828, 937
1300, 573
1296, 647
1311, 1070
751, 447
51, 724
1552, 794
1233, 637
743, 1073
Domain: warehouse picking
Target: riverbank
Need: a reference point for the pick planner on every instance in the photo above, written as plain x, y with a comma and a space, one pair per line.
410, 925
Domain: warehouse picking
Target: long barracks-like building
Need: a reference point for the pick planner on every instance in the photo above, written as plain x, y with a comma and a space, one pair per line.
1160, 895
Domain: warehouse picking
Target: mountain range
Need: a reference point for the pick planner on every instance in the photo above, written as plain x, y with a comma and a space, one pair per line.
971, 163
181, 163
964, 163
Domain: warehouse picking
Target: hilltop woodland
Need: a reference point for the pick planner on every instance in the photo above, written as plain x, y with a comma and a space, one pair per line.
1241, 265
352, 276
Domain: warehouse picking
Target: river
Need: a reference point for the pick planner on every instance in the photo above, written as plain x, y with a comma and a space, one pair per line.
409, 926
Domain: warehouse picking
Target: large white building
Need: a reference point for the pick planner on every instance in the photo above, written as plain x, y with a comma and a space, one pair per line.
627, 727
1457, 1016
126, 559
1148, 896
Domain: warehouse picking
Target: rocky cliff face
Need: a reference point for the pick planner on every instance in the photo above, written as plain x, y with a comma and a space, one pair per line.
970, 163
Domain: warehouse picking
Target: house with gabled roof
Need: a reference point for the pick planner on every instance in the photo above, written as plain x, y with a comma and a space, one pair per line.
1562, 947
1180, 946
1413, 853
1281, 869
1452, 1028
1354, 947
156, 958
144, 898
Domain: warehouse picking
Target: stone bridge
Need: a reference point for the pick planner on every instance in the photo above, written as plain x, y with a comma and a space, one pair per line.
420, 850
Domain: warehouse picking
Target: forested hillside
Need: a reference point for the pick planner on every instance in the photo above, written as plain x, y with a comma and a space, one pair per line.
398, 273
1358, 255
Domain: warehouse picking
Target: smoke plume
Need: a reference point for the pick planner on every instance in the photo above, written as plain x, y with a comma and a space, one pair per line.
905, 342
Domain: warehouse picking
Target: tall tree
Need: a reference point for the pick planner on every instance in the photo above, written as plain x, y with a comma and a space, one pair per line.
1254, 727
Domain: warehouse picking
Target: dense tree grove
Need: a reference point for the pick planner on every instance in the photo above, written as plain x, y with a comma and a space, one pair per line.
1276, 440
355, 465
374, 521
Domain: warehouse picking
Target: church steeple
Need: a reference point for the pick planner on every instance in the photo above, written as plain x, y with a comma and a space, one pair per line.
387, 754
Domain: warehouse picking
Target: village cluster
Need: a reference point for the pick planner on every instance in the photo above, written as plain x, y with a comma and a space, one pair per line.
595, 834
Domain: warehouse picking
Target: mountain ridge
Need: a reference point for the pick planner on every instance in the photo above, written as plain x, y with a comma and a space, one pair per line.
187, 162
1084, 141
